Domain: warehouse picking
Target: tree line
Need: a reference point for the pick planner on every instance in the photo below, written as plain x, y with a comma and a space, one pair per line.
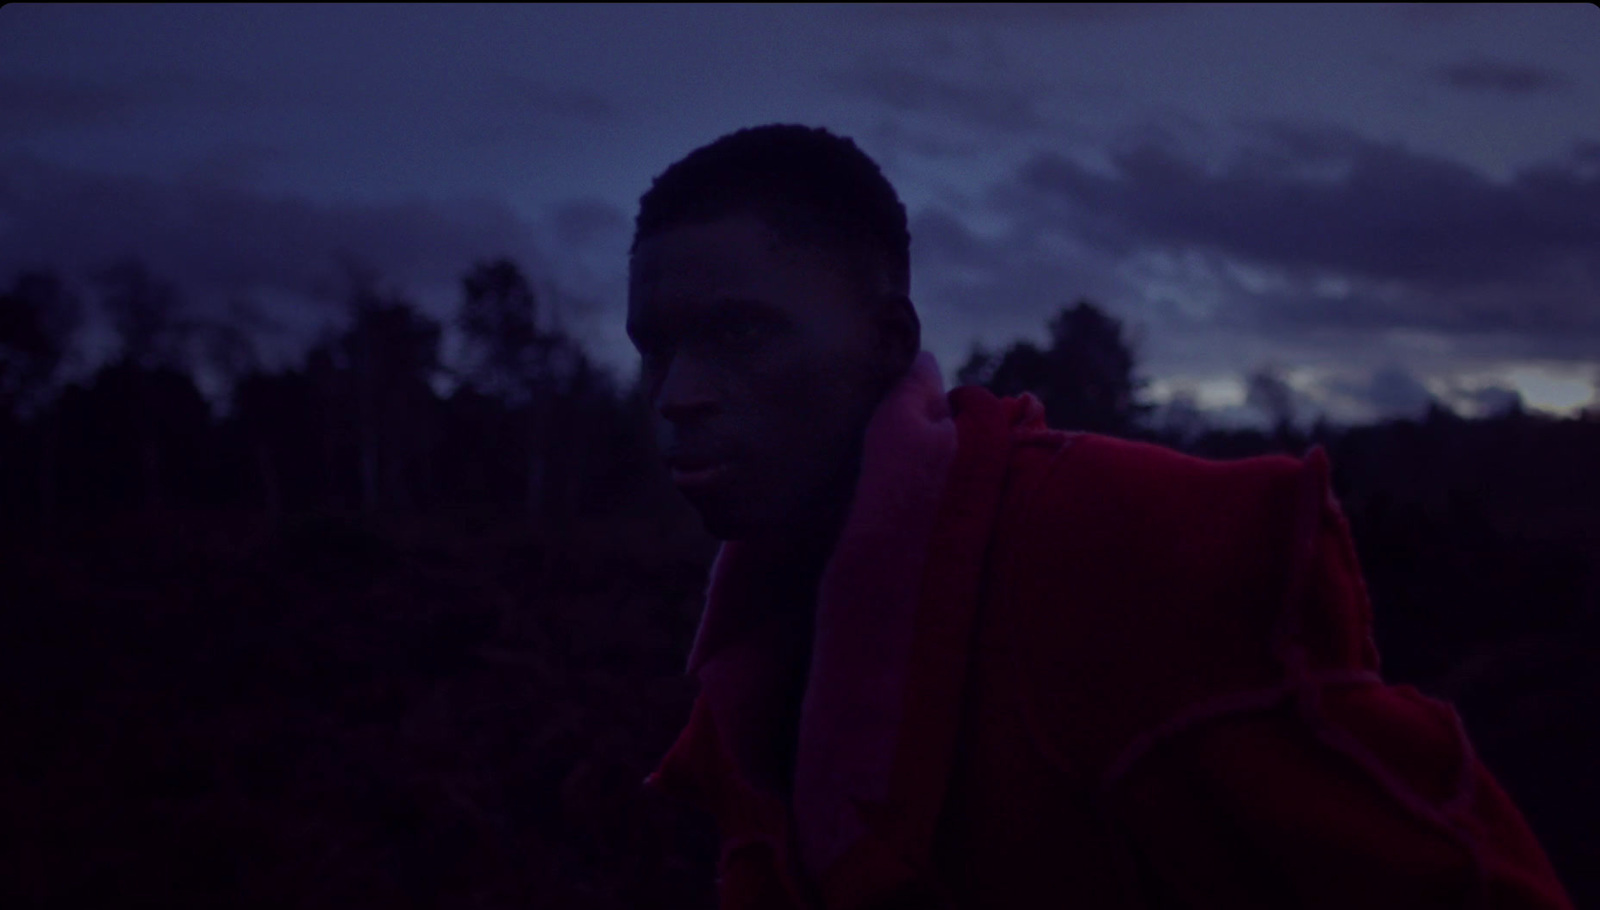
374, 419
530, 420
359, 424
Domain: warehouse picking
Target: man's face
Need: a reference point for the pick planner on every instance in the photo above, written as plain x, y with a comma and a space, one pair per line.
759, 361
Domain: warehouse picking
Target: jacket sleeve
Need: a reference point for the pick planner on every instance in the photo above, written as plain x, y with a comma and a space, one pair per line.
1334, 789
1270, 809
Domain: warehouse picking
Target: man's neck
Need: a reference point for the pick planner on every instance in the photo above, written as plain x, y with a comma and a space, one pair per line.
801, 551
813, 545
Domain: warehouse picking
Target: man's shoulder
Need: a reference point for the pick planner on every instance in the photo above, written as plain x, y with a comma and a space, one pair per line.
1127, 487
1136, 505
1139, 579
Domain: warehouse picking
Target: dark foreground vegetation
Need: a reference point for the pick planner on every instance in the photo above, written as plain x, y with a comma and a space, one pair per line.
356, 642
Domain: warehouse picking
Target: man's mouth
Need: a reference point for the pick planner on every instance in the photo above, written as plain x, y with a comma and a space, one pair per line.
693, 471
696, 477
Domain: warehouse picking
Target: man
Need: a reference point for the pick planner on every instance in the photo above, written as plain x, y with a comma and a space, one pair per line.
951, 657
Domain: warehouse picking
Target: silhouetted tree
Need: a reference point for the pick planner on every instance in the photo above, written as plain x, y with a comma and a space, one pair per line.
1440, 414
228, 347
288, 464
1323, 433
585, 413
507, 351
1267, 390
110, 428
1085, 379
1023, 368
1181, 419
227, 351
538, 372
147, 313
392, 354
980, 366
39, 316
1093, 366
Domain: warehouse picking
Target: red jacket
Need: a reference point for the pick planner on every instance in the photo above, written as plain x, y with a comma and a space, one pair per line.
1064, 670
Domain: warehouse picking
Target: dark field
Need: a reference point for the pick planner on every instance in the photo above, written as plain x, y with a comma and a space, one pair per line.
211, 709
210, 713
359, 643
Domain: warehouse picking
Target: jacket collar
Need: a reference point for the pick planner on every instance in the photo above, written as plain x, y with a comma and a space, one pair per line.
891, 635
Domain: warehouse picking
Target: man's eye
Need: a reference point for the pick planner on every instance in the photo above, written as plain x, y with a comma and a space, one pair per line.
740, 331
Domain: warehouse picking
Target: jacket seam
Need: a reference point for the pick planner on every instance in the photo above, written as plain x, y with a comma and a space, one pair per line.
1303, 687
1314, 511
1223, 707
1023, 669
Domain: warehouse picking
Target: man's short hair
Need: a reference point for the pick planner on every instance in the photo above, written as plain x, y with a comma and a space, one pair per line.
809, 185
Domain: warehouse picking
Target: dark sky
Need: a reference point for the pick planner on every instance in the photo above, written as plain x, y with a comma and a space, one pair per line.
1384, 201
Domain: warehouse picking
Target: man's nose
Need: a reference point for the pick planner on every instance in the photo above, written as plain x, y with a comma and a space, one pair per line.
687, 394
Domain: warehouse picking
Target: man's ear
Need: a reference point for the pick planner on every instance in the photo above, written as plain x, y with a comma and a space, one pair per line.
898, 332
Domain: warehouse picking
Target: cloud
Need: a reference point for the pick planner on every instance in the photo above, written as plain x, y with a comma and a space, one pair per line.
29, 102
234, 164
586, 222
1435, 14
1000, 285
1484, 75
969, 14
891, 139
522, 95
32, 102
222, 239
1321, 229
1335, 202
939, 234
1490, 401
508, 108
1317, 248
984, 105
592, 236
1391, 391
1586, 153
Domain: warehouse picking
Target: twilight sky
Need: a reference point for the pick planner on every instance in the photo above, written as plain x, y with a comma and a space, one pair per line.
1384, 201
